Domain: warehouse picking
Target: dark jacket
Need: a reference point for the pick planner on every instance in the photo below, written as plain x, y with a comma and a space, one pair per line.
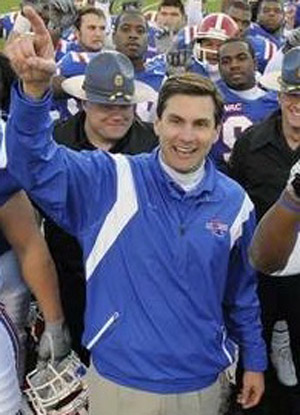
261, 161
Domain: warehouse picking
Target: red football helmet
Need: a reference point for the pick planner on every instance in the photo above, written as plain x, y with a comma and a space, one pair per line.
214, 29
217, 26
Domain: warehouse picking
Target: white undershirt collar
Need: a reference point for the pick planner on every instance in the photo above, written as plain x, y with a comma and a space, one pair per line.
187, 181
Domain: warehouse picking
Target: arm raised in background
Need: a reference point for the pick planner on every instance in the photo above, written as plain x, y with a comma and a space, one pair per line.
62, 182
278, 230
19, 225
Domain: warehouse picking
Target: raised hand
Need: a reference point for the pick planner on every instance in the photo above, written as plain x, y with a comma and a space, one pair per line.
178, 61
32, 55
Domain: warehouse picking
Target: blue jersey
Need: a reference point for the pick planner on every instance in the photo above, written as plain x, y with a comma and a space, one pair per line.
8, 184
264, 49
297, 16
159, 64
257, 30
73, 64
153, 77
186, 37
64, 46
239, 114
153, 32
159, 41
7, 22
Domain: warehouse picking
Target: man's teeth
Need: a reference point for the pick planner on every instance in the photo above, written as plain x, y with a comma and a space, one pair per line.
184, 150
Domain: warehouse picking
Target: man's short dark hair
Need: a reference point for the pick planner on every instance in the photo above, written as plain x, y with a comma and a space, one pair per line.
239, 4
87, 10
268, 1
130, 13
243, 40
190, 84
172, 3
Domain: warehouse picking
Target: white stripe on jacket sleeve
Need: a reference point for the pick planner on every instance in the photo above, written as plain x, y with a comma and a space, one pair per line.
123, 210
242, 217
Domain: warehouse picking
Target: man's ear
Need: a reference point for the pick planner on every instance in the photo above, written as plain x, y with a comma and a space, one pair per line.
77, 34
156, 126
218, 130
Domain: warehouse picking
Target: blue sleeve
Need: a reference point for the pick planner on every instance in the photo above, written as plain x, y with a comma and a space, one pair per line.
67, 185
8, 186
241, 304
66, 66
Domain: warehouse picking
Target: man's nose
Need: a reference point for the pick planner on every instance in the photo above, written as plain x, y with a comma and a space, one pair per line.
187, 133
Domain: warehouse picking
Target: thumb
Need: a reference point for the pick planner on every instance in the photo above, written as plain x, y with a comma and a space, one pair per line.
244, 396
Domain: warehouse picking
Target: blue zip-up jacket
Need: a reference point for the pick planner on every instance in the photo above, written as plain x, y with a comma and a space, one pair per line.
169, 287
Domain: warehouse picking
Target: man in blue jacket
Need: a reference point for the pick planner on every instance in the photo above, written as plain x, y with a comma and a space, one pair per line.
170, 292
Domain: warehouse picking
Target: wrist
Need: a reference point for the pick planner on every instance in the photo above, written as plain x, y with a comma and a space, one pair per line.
35, 90
289, 201
54, 325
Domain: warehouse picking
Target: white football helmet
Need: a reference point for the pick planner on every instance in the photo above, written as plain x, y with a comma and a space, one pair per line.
58, 390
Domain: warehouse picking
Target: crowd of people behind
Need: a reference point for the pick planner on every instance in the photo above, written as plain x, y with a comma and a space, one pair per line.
140, 262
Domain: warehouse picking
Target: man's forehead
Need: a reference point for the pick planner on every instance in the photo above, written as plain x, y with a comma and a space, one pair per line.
234, 48
239, 13
173, 103
170, 9
91, 16
133, 20
270, 4
107, 107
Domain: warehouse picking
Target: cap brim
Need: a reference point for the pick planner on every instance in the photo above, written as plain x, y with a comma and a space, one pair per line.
271, 80
143, 92
290, 89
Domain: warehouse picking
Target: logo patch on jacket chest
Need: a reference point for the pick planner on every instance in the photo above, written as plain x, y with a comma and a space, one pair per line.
217, 227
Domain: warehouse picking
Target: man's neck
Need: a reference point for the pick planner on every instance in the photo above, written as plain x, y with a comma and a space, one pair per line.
274, 32
89, 50
291, 135
138, 64
250, 93
96, 139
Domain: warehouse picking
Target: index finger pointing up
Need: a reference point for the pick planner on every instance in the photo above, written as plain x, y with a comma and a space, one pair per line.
37, 23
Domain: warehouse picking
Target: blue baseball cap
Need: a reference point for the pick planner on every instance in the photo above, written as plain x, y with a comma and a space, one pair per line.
290, 73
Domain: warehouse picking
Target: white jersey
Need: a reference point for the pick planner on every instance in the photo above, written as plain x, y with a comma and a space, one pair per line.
275, 63
10, 394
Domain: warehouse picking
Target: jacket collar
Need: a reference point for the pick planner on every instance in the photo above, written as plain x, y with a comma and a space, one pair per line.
204, 191
268, 132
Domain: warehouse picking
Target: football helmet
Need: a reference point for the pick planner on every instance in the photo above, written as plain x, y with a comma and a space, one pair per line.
58, 390
217, 27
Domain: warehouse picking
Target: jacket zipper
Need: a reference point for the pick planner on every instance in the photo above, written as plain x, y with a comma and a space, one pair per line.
225, 350
103, 329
